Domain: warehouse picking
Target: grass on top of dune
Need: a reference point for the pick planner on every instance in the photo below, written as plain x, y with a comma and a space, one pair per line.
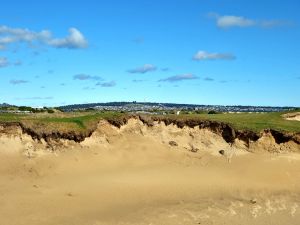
85, 121
63, 122
250, 121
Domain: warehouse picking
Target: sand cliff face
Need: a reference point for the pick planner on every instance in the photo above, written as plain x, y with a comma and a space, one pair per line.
192, 135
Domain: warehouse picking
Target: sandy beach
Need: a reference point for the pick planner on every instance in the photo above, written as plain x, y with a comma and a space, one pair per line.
133, 179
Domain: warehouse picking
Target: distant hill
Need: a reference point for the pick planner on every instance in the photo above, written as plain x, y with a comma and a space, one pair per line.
5, 105
88, 105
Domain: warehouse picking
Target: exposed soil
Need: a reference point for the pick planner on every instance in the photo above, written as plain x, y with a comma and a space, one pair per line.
227, 132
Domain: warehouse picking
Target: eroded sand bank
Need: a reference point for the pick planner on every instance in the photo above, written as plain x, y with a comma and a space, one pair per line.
132, 177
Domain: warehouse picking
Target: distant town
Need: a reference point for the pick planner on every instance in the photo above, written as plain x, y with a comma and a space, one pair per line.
145, 107
157, 107
149, 107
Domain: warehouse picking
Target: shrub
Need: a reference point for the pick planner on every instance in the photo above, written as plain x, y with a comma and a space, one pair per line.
212, 112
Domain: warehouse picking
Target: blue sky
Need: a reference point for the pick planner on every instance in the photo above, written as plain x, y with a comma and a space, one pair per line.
182, 51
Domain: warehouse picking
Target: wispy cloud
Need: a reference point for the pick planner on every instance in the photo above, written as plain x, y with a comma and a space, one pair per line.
138, 81
83, 76
166, 69
208, 79
88, 88
203, 55
106, 84
274, 23
143, 69
178, 78
3, 62
15, 82
229, 21
9, 35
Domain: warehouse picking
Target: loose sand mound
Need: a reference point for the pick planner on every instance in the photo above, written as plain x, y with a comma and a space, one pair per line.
133, 176
190, 139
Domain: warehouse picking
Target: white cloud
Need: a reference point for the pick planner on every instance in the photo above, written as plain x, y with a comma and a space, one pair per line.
9, 36
234, 21
3, 62
143, 69
228, 21
74, 40
203, 55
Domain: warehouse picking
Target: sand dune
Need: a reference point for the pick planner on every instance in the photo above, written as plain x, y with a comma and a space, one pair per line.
133, 176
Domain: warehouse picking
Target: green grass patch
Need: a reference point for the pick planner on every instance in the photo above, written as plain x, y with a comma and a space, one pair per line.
63, 122
83, 121
251, 121
9, 117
